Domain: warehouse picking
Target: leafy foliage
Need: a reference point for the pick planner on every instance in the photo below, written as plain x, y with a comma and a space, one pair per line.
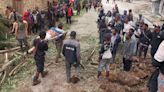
4, 25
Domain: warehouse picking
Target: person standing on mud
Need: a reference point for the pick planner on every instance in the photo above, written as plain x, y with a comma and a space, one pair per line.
71, 52
105, 56
115, 40
21, 32
156, 83
145, 39
156, 40
128, 52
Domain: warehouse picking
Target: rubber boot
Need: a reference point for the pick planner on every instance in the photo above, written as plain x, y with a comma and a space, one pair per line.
44, 73
35, 79
107, 75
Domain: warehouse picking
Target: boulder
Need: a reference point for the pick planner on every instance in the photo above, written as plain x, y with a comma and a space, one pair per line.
113, 87
126, 78
140, 73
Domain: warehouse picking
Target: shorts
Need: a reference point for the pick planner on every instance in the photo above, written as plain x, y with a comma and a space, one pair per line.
143, 49
104, 63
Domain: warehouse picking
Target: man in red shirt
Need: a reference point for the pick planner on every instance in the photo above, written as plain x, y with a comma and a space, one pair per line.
69, 14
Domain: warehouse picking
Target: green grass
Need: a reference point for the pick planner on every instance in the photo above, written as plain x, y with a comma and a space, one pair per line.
11, 82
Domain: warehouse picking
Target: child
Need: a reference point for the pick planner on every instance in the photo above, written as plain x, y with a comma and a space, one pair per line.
128, 52
105, 56
39, 55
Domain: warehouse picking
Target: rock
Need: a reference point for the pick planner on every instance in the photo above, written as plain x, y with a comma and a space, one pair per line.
135, 59
142, 66
140, 74
126, 78
112, 77
113, 87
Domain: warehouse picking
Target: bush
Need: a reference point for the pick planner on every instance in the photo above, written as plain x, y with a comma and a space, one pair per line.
4, 25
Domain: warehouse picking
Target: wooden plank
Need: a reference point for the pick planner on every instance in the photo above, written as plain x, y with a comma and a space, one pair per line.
9, 50
4, 67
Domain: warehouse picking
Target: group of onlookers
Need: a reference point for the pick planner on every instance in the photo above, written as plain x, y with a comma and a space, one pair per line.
134, 36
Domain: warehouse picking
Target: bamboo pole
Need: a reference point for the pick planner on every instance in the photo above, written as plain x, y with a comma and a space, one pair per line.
9, 63
4, 77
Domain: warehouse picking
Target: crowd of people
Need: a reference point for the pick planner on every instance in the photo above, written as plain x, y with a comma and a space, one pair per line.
36, 21
135, 36
115, 30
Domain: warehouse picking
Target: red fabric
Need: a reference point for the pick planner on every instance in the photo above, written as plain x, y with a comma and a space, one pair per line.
26, 14
71, 1
69, 12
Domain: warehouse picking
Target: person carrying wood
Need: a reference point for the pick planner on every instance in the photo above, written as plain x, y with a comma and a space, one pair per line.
59, 41
41, 46
71, 52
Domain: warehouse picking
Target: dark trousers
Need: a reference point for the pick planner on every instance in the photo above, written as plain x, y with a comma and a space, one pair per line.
153, 81
68, 69
153, 51
86, 9
127, 64
50, 23
39, 63
68, 18
143, 49
23, 41
35, 28
101, 35
137, 49
42, 26
78, 12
